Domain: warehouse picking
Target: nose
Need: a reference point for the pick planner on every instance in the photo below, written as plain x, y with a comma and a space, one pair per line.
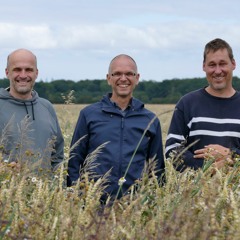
23, 74
218, 69
123, 76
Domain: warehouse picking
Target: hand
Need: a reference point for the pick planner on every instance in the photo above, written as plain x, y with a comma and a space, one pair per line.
216, 152
15, 166
219, 152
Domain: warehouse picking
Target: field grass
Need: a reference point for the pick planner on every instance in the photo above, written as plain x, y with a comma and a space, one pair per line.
68, 115
203, 204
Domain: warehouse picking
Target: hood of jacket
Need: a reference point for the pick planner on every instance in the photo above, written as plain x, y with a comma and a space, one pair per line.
5, 95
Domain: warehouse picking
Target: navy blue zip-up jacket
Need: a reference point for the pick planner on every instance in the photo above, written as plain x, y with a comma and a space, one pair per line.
103, 122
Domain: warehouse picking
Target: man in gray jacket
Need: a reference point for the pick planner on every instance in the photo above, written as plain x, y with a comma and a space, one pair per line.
29, 128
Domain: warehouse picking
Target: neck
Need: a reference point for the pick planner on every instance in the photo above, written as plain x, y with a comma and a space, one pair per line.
121, 102
221, 93
21, 96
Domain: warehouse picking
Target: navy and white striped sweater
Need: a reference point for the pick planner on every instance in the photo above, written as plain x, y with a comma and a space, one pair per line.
206, 119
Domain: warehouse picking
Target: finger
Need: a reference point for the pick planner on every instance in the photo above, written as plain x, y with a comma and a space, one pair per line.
202, 155
200, 151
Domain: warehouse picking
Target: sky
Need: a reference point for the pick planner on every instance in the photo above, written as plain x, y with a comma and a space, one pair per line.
76, 39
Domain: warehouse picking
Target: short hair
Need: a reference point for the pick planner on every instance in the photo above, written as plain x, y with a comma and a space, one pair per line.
121, 55
215, 45
18, 50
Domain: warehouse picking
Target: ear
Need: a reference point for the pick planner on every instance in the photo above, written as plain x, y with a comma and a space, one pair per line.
36, 73
137, 77
204, 67
108, 79
6, 72
234, 64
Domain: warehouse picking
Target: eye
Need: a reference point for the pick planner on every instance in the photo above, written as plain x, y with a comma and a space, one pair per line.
29, 70
211, 65
117, 74
223, 64
17, 69
127, 74
130, 74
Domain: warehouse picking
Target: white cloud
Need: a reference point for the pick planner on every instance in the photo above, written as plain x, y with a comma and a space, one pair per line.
76, 39
165, 36
31, 36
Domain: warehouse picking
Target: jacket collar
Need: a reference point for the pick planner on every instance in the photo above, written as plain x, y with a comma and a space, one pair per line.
135, 104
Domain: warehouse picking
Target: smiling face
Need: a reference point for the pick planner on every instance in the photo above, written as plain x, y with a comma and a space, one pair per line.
22, 72
219, 69
122, 77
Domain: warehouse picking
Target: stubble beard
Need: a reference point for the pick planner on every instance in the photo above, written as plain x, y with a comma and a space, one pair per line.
23, 90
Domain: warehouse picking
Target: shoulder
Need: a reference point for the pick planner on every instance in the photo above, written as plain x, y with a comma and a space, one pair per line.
194, 94
192, 97
148, 112
94, 107
42, 101
141, 108
137, 104
237, 95
47, 105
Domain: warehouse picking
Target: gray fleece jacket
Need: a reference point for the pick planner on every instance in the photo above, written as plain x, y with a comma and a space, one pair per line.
29, 131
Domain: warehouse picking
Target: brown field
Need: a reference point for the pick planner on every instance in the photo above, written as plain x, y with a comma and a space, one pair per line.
68, 115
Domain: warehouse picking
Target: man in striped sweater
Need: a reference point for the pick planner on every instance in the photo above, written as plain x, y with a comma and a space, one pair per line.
206, 122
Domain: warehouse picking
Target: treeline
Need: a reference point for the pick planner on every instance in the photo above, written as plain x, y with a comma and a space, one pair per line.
89, 91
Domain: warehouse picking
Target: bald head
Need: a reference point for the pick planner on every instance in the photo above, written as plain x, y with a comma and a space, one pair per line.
121, 56
23, 53
22, 72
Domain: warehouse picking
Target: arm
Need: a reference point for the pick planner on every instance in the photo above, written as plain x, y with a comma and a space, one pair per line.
58, 153
57, 141
79, 150
176, 142
156, 149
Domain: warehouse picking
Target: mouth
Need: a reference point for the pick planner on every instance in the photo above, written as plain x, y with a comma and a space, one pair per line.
123, 85
218, 78
23, 83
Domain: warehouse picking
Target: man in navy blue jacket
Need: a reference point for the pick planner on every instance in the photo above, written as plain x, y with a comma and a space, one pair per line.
206, 122
119, 120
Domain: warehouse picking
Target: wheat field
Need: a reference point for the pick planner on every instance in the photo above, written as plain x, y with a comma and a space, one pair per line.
68, 115
192, 205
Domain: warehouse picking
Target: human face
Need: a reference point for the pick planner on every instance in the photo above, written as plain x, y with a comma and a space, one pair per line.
22, 72
219, 69
122, 77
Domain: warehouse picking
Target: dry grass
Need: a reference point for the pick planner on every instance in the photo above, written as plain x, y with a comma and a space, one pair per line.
191, 205
68, 115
